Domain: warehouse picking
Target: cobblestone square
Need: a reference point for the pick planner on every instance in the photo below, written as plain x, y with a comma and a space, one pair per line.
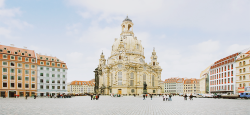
126, 105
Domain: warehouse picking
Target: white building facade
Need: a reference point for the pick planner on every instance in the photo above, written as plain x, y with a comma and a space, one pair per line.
222, 75
52, 76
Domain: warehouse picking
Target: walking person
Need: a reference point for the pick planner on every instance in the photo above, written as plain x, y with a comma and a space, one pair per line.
164, 97
35, 96
191, 97
143, 97
26, 96
170, 97
146, 95
91, 96
185, 97
151, 96
167, 97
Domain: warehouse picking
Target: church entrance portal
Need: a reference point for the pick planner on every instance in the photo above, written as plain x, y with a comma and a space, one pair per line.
119, 91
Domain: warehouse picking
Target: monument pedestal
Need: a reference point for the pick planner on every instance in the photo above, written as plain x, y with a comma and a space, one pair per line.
145, 91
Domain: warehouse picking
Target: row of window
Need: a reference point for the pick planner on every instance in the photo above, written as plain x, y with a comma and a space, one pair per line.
19, 85
243, 77
19, 71
4, 63
52, 81
19, 58
221, 69
14, 52
243, 70
221, 75
52, 87
221, 81
53, 69
52, 75
51, 59
51, 63
5, 77
224, 87
243, 85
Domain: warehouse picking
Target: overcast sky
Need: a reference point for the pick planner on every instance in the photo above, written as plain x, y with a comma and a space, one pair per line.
188, 35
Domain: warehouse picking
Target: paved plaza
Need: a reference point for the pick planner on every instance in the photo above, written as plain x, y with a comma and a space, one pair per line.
126, 105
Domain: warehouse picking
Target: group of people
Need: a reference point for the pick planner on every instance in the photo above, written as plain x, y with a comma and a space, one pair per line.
190, 97
146, 95
167, 97
115, 95
94, 97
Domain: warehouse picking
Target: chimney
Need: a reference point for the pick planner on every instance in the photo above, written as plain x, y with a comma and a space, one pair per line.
12, 45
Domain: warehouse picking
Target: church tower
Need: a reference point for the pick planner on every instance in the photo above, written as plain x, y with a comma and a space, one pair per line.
154, 58
127, 27
102, 61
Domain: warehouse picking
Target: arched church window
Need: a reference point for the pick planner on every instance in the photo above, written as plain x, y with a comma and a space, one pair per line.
120, 57
153, 63
131, 75
119, 78
129, 26
153, 80
131, 79
144, 78
137, 46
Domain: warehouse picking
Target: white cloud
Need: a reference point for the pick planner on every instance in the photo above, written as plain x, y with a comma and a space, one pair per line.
236, 48
5, 32
206, 15
75, 57
207, 46
1, 3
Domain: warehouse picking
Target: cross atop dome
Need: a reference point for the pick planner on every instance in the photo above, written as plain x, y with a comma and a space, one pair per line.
127, 19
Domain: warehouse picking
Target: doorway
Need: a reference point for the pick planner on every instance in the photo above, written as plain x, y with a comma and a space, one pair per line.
12, 93
119, 91
2, 93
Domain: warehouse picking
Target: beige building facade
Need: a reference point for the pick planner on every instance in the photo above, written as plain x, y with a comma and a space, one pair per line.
191, 86
81, 87
242, 71
204, 81
126, 71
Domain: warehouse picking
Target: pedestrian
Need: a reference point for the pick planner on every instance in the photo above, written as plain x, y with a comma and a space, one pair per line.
191, 97
91, 96
167, 97
151, 96
170, 97
143, 97
26, 96
146, 95
164, 97
96, 97
185, 96
35, 96
54, 96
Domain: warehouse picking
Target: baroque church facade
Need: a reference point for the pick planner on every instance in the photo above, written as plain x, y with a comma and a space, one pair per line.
125, 71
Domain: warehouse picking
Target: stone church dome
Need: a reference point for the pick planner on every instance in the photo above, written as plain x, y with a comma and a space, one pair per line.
127, 38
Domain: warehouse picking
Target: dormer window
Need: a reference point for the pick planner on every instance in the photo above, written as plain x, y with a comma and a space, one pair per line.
29, 54
8, 51
19, 58
47, 58
26, 59
41, 63
1, 50
52, 59
33, 60
19, 51
41, 57
63, 65
58, 65
12, 57
58, 60
4, 48
23, 54
25, 51
15, 52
